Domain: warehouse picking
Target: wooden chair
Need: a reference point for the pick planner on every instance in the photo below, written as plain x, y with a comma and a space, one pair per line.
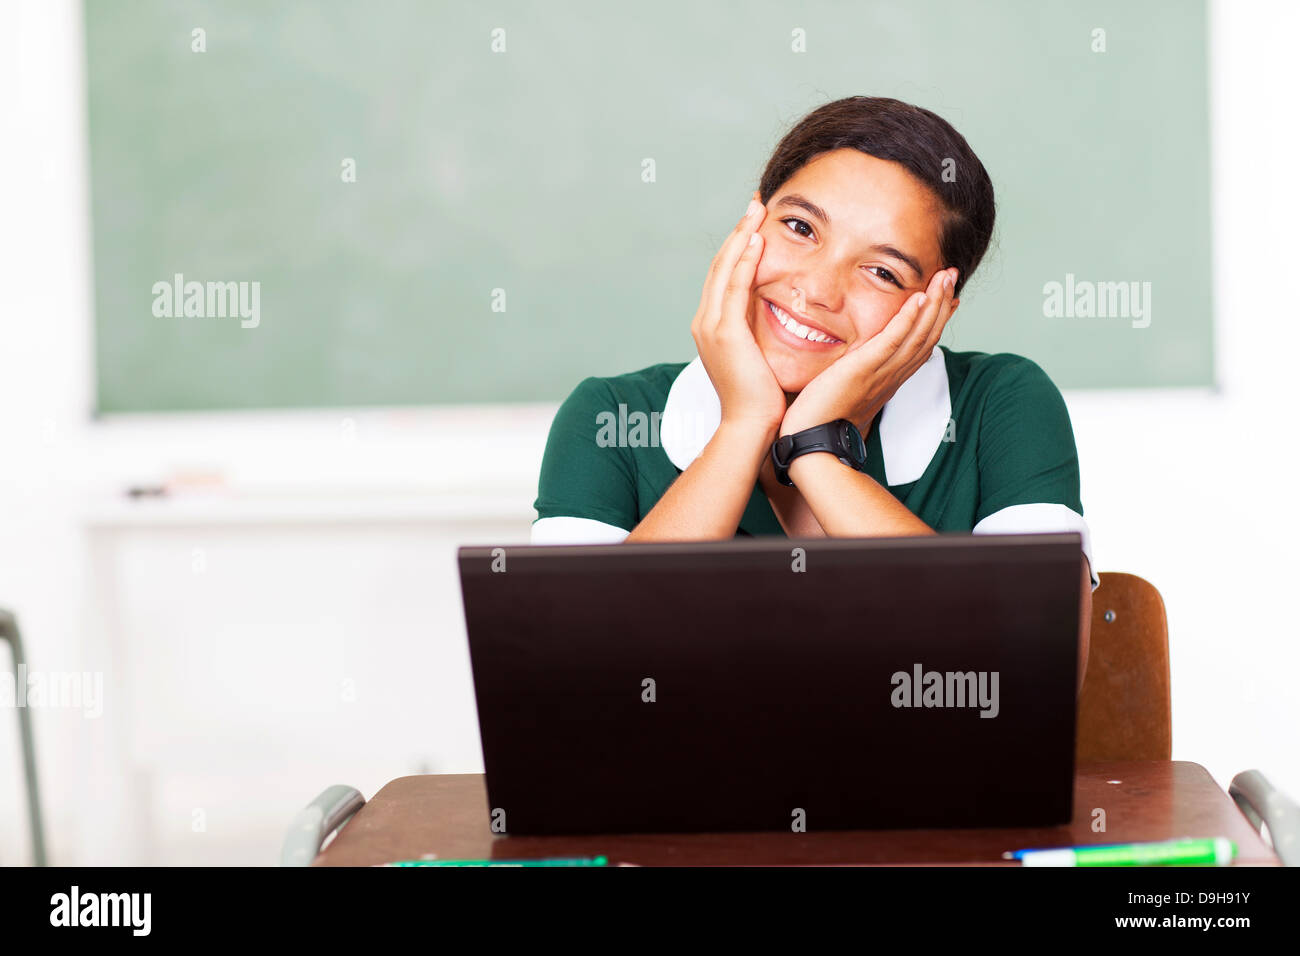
1124, 711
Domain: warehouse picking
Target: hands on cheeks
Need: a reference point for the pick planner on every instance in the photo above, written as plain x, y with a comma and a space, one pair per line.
857, 385
747, 389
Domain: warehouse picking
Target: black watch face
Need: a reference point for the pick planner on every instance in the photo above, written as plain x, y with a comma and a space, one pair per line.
784, 445
851, 440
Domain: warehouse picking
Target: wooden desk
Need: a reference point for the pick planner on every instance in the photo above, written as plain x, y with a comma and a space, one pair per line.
1148, 800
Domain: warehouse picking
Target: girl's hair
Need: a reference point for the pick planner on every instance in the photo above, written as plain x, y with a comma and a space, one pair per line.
923, 143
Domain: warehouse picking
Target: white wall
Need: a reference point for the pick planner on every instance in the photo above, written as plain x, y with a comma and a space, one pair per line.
1175, 484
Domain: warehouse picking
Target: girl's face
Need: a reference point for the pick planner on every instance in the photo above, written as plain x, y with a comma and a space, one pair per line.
845, 242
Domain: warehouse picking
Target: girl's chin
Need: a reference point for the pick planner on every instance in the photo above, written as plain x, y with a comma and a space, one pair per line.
793, 376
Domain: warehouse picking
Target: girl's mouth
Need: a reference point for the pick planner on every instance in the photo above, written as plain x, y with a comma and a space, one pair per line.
795, 333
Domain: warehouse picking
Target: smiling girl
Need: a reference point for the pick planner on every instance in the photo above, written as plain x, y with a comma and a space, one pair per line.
818, 331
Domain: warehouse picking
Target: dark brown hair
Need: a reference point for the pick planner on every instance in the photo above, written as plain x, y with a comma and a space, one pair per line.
922, 142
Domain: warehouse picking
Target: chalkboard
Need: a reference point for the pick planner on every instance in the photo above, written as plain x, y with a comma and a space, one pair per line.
408, 203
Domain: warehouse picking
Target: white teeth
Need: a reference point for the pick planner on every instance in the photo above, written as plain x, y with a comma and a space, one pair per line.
797, 328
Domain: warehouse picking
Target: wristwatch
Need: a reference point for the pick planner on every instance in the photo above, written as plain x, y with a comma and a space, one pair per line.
841, 438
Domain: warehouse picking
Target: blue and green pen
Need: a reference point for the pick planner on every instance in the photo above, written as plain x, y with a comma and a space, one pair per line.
557, 861
1213, 852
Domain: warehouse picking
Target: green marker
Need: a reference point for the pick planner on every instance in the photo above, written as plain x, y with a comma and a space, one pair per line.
559, 861
1215, 852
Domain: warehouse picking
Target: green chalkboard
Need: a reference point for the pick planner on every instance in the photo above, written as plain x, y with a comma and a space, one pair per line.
498, 240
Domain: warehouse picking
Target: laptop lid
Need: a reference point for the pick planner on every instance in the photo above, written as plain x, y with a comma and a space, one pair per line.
775, 683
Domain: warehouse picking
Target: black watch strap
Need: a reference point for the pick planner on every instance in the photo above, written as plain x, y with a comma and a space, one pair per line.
841, 438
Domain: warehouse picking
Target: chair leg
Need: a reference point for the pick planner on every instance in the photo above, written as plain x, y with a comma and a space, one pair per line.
9, 632
1264, 805
313, 824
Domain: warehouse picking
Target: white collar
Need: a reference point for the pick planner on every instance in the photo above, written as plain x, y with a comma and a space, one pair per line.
912, 425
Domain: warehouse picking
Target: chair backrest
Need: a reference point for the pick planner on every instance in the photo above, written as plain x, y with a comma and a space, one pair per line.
1124, 711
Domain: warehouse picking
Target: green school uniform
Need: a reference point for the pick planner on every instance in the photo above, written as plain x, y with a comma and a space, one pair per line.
971, 442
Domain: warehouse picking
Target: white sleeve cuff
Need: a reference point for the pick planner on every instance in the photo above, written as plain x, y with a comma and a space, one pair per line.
575, 531
1037, 518
1016, 519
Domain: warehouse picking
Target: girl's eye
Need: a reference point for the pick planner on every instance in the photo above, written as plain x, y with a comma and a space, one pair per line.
887, 275
799, 227
798, 222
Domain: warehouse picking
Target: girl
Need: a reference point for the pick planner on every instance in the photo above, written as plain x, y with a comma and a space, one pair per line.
823, 309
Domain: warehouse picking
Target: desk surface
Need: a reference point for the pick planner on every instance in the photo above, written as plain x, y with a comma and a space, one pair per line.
446, 815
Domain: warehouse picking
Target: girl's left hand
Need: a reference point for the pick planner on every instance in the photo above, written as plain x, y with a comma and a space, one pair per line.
857, 385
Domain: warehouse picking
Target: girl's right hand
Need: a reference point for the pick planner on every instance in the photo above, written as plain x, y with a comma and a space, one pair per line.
749, 392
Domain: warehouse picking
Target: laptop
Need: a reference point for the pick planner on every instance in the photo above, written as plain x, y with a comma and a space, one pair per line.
776, 683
